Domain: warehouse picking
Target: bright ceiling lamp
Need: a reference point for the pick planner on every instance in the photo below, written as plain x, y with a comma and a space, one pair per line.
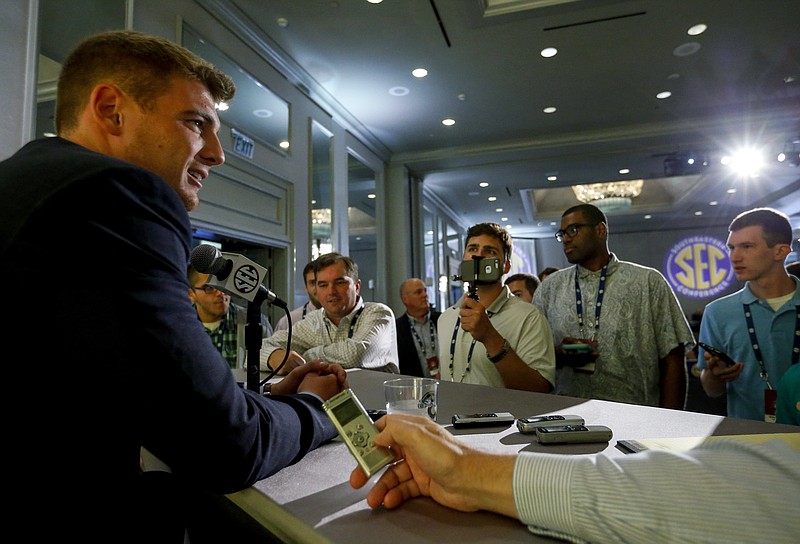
611, 196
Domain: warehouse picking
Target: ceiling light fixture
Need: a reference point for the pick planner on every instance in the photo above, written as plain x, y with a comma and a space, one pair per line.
548, 52
419, 72
448, 122
611, 195
321, 216
790, 153
697, 29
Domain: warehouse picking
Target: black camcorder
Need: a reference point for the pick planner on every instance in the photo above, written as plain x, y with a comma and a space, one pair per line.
480, 271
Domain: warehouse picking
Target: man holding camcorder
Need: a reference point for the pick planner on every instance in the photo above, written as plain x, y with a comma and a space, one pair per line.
492, 337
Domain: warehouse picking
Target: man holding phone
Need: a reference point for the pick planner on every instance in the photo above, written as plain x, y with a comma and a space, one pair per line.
757, 326
619, 330
498, 339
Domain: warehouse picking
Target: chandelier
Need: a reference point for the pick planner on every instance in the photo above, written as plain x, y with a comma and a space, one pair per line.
611, 195
321, 216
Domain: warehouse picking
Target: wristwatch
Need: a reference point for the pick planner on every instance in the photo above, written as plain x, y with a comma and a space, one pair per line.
503, 352
267, 391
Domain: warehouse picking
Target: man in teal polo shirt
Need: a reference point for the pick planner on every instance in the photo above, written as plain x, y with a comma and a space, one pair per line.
758, 326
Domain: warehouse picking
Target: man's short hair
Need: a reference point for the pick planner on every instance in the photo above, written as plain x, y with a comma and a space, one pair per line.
329, 259
592, 213
547, 271
531, 281
776, 225
309, 267
139, 64
496, 231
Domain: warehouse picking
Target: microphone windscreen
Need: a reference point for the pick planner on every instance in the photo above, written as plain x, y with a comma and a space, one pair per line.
206, 259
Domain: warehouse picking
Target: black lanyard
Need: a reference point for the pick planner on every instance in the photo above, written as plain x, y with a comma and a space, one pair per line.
579, 302
305, 309
453, 350
751, 329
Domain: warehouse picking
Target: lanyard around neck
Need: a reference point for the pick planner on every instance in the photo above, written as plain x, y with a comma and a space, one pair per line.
469, 353
579, 302
353, 322
751, 330
417, 337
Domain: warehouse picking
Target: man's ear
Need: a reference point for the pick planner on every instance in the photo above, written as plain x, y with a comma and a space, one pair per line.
106, 105
602, 230
358, 287
506, 266
782, 250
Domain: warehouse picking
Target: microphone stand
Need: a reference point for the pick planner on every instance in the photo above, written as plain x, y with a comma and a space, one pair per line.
252, 342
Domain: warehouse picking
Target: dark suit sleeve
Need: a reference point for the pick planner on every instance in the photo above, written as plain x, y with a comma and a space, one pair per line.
141, 370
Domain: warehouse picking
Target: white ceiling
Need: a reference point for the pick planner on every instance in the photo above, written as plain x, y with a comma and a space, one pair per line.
485, 71
741, 87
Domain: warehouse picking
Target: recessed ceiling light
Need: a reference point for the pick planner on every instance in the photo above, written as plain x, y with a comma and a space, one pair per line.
284, 145
484, 184
498, 210
731, 191
399, 91
509, 227
663, 94
686, 49
312, 201
548, 52
492, 198
222, 106
552, 178
283, 22
625, 171
648, 216
698, 212
549, 109
552, 223
697, 29
448, 122
419, 72
262, 113
504, 219
372, 195
713, 203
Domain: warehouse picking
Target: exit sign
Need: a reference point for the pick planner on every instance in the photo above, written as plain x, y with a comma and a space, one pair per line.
242, 145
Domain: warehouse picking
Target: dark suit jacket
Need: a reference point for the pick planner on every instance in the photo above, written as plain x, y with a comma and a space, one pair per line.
406, 344
105, 353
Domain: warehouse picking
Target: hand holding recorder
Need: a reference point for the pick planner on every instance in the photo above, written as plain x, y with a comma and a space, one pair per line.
433, 463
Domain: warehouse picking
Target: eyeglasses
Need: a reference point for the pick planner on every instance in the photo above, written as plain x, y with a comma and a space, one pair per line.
207, 289
571, 230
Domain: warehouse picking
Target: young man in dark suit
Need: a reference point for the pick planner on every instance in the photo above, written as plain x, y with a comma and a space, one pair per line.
137, 138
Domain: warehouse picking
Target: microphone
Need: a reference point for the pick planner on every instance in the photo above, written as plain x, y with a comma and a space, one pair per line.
233, 273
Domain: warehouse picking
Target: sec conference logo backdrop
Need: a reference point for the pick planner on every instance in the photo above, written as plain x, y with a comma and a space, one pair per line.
699, 267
